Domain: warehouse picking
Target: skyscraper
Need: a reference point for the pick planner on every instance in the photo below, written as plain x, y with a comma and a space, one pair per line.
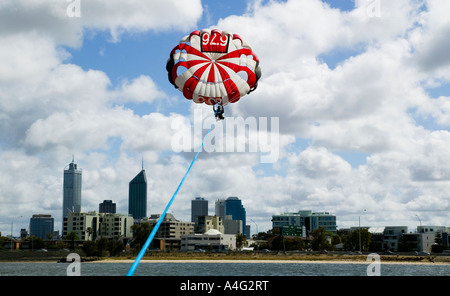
137, 196
71, 189
199, 207
234, 207
107, 206
41, 225
220, 208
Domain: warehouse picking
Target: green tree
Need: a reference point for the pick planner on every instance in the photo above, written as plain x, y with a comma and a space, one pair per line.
240, 241
37, 242
335, 239
320, 241
3, 240
90, 248
72, 237
277, 243
115, 247
90, 231
283, 243
140, 235
351, 240
102, 246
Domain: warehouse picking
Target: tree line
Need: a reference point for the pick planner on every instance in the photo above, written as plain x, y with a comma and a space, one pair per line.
321, 240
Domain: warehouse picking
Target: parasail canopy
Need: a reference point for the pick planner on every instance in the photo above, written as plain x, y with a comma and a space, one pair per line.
213, 66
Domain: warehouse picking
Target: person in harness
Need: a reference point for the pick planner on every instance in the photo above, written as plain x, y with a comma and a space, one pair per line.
218, 113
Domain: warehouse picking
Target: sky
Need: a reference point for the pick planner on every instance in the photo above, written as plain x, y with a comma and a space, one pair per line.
359, 92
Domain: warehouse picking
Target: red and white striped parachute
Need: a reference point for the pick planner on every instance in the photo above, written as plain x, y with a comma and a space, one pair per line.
211, 66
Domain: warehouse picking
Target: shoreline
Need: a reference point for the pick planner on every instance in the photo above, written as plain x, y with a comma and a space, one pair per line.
157, 257
267, 261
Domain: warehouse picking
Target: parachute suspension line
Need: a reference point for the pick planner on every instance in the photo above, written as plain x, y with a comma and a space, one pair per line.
155, 229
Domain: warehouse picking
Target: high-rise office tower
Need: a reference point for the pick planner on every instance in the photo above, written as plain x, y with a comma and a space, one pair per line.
107, 206
220, 208
199, 207
71, 189
41, 225
234, 207
137, 196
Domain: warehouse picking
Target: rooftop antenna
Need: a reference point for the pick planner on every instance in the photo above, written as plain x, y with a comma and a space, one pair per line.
142, 162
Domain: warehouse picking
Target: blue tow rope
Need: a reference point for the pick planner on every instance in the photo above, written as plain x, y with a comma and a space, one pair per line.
155, 229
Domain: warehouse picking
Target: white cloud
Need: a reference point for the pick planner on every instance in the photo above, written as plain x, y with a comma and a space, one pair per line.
118, 16
431, 38
319, 163
51, 17
141, 89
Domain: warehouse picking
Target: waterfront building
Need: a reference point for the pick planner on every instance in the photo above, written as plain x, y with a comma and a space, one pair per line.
232, 226
169, 232
397, 238
428, 236
205, 223
42, 226
392, 236
324, 220
107, 206
307, 219
199, 207
212, 240
71, 189
137, 196
115, 225
84, 225
432, 229
170, 227
91, 225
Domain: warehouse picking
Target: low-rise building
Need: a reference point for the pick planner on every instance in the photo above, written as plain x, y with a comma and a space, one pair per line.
232, 226
168, 236
212, 240
307, 219
392, 236
170, 227
90, 225
205, 223
397, 238
428, 236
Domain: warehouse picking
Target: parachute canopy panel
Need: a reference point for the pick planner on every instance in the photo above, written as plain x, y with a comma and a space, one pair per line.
211, 66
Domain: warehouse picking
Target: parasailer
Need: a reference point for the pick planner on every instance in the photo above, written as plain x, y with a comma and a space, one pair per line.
213, 67
218, 113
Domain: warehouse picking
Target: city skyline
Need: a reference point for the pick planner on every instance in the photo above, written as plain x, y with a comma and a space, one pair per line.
359, 91
137, 196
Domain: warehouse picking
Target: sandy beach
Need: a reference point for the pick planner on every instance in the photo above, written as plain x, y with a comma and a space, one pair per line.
303, 259
179, 257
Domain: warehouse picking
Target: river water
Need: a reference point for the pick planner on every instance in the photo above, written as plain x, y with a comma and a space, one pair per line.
221, 269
